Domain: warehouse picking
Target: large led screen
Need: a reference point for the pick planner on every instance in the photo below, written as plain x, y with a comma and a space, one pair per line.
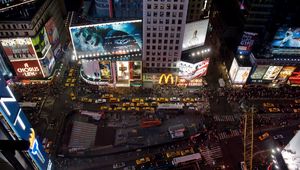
242, 75
105, 70
91, 68
189, 71
18, 48
233, 69
114, 38
27, 69
259, 72
135, 68
287, 38
272, 72
41, 43
246, 43
194, 34
286, 72
48, 62
123, 70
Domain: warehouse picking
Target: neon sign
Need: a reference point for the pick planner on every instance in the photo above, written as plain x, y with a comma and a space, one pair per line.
166, 79
15, 117
28, 71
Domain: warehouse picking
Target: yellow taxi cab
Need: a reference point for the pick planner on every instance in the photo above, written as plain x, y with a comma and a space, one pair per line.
152, 109
263, 136
84, 99
146, 104
124, 109
142, 160
192, 100
296, 110
72, 95
127, 104
137, 109
135, 100
173, 154
71, 70
146, 108
187, 151
70, 74
140, 104
132, 104
72, 85
114, 99
106, 96
141, 100
161, 99
268, 104
67, 84
73, 80
186, 99
103, 108
68, 80
109, 109
90, 100
118, 108
274, 109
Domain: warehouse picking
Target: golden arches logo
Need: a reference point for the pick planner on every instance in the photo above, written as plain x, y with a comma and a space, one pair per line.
166, 79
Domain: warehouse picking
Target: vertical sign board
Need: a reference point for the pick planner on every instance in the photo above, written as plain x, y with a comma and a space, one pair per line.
18, 122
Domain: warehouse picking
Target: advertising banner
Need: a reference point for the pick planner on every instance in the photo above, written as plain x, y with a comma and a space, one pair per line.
122, 70
27, 69
52, 33
233, 69
272, 72
189, 71
48, 63
105, 70
242, 75
91, 69
41, 43
246, 43
295, 78
259, 72
115, 38
135, 68
286, 72
18, 48
16, 119
287, 38
194, 34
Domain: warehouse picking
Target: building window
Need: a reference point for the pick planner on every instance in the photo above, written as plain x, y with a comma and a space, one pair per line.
147, 59
153, 65
155, 14
148, 28
148, 41
173, 21
152, 59
149, 14
165, 41
180, 14
148, 6
167, 28
171, 41
155, 6
161, 21
158, 64
154, 21
154, 35
179, 21
158, 59
148, 53
181, 7
169, 64
148, 47
174, 14
176, 47
161, 14
166, 35
164, 58
147, 64
161, 28
178, 28
162, 6
160, 41
169, 7
174, 6
177, 41
154, 40
148, 34
153, 47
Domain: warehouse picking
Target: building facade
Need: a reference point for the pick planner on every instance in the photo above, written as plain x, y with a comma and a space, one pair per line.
198, 9
163, 31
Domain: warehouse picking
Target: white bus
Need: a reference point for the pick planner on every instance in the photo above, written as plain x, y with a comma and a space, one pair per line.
170, 106
28, 104
187, 158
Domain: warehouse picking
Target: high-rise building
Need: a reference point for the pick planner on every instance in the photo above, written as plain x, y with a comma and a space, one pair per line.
163, 30
31, 35
128, 9
198, 9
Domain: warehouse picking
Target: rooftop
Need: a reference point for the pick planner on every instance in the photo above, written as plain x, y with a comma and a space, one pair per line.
18, 10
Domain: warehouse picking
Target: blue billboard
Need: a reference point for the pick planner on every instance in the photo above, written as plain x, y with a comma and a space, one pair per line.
20, 125
287, 38
109, 38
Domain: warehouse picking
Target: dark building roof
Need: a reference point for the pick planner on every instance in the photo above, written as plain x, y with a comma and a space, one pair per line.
21, 12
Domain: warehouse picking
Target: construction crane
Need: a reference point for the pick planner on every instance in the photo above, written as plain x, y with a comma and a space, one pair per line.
248, 118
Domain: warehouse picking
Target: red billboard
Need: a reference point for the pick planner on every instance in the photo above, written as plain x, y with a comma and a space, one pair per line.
27, 69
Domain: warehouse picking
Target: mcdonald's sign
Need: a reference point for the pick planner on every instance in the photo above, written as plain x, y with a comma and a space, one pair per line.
167, 78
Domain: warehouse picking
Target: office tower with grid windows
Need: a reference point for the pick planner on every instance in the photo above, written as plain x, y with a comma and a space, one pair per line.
163, 30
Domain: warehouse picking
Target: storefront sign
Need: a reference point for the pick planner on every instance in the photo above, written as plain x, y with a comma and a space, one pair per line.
27, 69
167, 79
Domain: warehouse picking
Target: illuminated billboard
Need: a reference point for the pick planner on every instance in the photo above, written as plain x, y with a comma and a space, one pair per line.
52, 32
6, 4
17, 121
287, 38
286, 72
18, 48
41, 43
135, 68
105, 70
246, 43
259, 72
109, 38
48, 63
272, 72
123, 70
91, 69
27, 69
295, 78
189, 71
242, 75
233, 69
194, 34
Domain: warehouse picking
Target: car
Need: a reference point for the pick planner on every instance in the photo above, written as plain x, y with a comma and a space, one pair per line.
173, 154
153, 104
84, 99
274, 110
103, 108
132, 104
90, 100
73, 80
135, 100
268, 105
142, 160
297, 101
67, 84
106, 96
69, 80
114, 99
187, 151
72, 85
264, 136
278, 137
297, 110
174, 99
118, 108
124, 109
127, 104
100, 101
119, 165
146, 104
